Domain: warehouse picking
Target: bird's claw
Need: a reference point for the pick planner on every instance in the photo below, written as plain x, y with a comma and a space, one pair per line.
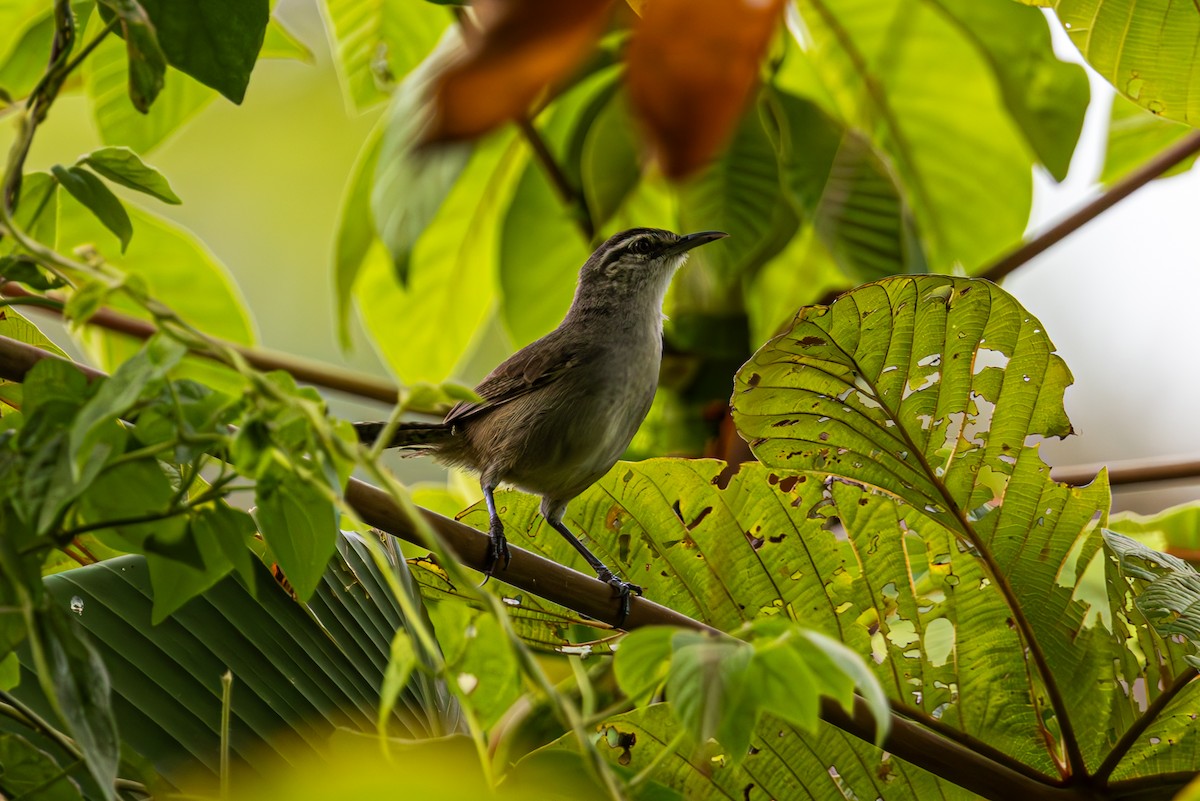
497, 552
625, 589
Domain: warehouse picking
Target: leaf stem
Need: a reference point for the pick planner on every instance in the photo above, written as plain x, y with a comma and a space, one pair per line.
11, 707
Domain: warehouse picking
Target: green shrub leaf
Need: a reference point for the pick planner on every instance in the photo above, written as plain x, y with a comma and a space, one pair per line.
121, 165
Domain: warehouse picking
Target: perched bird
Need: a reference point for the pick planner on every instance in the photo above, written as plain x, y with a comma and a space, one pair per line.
560, 412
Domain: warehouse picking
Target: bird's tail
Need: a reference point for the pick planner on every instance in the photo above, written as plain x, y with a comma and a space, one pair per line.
407, 435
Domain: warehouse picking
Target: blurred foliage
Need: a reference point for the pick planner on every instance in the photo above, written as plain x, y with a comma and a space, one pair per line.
899, 537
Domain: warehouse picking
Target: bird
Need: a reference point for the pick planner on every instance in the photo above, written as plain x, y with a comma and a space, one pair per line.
554, 417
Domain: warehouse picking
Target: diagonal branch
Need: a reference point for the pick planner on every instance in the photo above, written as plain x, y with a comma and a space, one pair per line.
1168, 158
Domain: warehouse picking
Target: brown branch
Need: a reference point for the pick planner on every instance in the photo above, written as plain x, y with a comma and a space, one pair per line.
1168, 158
941, 755
1132, 471
308, 371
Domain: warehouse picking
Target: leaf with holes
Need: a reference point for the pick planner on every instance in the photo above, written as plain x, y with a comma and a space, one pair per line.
1144, 48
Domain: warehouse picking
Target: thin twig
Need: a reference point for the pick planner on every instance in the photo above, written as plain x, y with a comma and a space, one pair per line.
308, 371
568, 194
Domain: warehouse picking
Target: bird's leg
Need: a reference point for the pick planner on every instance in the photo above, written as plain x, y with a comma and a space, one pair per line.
499, 549
624, 588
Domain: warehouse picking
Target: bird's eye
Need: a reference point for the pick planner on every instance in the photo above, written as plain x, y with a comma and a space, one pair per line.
641, 247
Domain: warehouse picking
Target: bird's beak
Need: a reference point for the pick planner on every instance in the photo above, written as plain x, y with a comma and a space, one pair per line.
689, 241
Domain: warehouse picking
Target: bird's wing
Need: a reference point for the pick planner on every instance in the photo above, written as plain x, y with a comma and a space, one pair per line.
526, 370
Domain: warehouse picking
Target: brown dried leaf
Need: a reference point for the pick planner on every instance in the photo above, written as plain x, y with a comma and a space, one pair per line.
525, 46
692, 67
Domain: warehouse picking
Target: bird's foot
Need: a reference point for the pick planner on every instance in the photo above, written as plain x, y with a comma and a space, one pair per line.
625, 589
498, 552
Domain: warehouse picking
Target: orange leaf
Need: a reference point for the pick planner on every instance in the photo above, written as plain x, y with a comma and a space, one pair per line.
692, 67
525, 47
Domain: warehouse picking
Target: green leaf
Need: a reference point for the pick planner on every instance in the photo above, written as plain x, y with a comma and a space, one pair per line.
479, 658
1046, 97
299, 523
85, 301
641, 661
26, 270
82, 693
10, 672
401, 663
1135, 136
838, 181
1174, 529
927, 389
31, 774
379, 42
299, 672
178, 270
14, 326
355, 231
1144, 48
121, 165
707, 686
1166, 590
740, 194
99, 199
609, 168
144, 53
215, 41
411, 182
541, 246
425, 329
118, 120
962, 162
130, 491
118, 394
281, 43
26, 32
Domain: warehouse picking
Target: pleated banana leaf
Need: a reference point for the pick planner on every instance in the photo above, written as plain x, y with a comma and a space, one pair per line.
298, 671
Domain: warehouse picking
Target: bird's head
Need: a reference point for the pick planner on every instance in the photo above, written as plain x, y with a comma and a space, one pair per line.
639, 261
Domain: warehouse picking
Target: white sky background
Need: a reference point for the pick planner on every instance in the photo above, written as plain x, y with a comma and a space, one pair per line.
1120, 298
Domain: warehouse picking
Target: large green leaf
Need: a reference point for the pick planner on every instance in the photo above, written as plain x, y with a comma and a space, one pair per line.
846, 190
928, 389
541, 245
948, 132
1135, 136
379, 42
355, 231
784, 764
1047, 98
728, 549
411, 182
740, 193
425, 329
298, 671
1144, 48
118, 121
214, 41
